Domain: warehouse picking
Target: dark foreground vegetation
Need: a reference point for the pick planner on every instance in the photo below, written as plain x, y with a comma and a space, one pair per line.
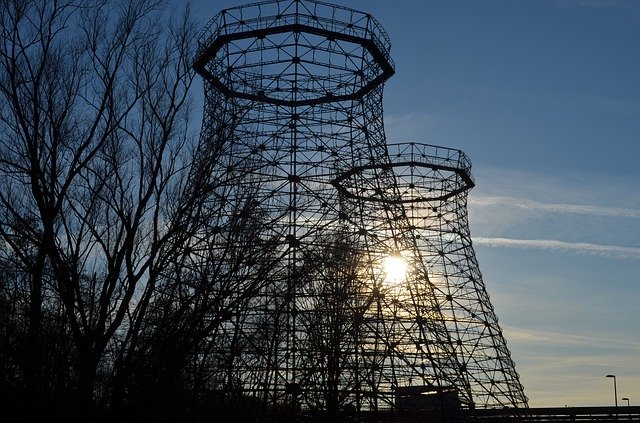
108, 214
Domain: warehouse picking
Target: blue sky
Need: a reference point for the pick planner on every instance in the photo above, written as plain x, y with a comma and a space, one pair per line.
544, 97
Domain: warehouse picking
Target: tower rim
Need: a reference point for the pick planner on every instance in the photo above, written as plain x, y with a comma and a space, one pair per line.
257, 21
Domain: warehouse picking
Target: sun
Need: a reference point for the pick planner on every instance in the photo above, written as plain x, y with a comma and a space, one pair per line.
395, 268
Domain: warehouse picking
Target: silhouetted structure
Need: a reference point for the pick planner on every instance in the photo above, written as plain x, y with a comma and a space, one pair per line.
294, 103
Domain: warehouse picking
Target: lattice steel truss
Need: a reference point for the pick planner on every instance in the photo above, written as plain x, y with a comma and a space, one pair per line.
293, 109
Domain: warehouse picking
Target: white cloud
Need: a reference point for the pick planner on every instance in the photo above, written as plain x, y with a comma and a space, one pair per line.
611, 190
611, 251
554, 207
581, 214
548, 339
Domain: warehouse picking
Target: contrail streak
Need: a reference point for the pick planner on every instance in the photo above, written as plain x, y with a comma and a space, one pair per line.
555, 207
612, 251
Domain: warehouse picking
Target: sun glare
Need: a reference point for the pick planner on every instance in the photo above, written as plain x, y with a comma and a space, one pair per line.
395, 269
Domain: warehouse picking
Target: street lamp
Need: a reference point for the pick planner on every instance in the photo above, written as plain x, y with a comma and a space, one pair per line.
628, 406
615, 388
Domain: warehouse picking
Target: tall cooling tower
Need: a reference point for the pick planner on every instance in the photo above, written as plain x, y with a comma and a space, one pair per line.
373, 299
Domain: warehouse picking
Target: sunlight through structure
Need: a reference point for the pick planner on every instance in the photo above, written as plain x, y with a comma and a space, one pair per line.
395, 268
336, 325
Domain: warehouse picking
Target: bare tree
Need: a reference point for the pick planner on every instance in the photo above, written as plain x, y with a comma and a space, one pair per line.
179, 354
94, 152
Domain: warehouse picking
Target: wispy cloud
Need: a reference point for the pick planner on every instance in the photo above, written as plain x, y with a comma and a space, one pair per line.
548, 338
413, 117
564, 360
555, 207
410, 126
610, 189
610, 251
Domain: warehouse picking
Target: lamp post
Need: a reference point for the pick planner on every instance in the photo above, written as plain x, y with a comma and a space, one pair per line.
615, 388
628, 406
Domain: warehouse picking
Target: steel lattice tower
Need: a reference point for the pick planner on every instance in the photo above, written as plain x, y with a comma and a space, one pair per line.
293, 110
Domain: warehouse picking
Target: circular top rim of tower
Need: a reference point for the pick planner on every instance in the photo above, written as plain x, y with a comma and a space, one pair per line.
260, 16
430, 155
448, 164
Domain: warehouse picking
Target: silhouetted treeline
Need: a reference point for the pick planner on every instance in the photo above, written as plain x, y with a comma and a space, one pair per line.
115, 243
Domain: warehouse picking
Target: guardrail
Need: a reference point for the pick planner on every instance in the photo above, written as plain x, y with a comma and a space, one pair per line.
559, 414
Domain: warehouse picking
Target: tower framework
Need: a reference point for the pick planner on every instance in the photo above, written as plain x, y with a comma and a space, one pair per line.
293, 111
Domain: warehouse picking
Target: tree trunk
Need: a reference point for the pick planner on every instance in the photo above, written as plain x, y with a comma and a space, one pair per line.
32, 352
88, 365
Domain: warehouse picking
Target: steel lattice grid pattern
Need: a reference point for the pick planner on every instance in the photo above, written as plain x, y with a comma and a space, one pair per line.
293, 117
434, 182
